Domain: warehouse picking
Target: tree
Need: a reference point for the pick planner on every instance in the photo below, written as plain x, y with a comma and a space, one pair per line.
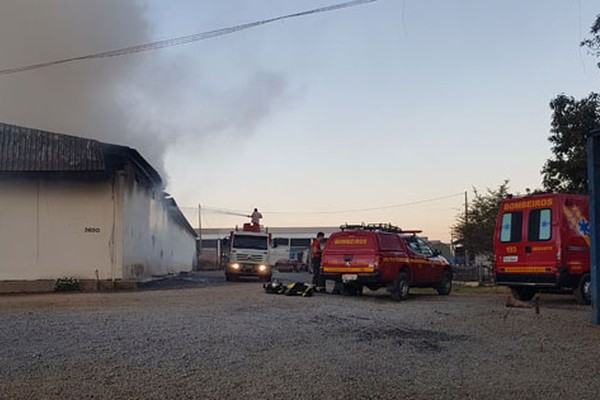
475, 230
572, 121
593, 44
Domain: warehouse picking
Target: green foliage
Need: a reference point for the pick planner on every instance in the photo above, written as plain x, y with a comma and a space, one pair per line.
572, 121
593, 44
476, 229
66, 284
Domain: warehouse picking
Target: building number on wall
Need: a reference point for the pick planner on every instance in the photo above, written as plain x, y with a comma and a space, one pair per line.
90, 229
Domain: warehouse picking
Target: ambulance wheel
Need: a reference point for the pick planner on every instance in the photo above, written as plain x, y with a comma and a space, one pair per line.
401, 287
583, 291
445, 286
523, 293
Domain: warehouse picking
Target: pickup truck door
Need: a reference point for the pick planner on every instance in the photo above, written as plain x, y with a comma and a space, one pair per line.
435, 268
420, 262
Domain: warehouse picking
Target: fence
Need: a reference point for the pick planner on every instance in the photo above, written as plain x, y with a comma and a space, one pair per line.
473, 273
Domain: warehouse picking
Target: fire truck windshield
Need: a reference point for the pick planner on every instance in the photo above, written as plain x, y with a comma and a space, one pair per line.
250, 242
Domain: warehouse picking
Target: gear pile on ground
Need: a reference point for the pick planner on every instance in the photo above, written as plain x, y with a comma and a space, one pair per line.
293, 289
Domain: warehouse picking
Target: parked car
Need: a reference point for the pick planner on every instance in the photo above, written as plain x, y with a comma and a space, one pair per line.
384, 256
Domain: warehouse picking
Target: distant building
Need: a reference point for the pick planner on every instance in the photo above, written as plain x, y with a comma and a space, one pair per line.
75, 207
288, 242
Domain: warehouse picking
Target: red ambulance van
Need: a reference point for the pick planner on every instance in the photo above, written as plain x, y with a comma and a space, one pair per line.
542, 244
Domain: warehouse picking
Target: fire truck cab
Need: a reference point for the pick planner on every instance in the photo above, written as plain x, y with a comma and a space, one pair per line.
542, 244
249, 253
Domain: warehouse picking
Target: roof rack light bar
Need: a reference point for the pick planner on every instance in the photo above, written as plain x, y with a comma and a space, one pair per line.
384, 227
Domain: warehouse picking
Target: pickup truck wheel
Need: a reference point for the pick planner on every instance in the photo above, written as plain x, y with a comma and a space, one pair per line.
401, 287
583, 291
445, 286
230, 277
266, 278
523, 293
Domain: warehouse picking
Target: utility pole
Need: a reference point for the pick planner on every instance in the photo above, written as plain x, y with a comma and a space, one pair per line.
199, 230
466, 223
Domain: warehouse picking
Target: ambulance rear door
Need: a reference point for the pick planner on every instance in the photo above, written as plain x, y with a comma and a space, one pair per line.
510, 249
542, 238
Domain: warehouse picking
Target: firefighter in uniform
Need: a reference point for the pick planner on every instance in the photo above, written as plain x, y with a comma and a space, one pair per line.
316, 252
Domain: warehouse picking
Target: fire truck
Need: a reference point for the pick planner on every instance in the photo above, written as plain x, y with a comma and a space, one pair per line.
248, 253
542, 244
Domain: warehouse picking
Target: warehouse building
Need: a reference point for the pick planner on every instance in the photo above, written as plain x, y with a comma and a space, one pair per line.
75, 207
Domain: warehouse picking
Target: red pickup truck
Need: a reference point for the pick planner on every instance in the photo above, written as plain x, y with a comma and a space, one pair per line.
382, 255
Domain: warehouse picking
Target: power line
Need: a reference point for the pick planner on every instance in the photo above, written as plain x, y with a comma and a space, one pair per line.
183, 39
412, 203
226, 211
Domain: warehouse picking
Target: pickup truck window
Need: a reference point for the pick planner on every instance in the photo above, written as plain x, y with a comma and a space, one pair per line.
425, 248
389, 241
419, 246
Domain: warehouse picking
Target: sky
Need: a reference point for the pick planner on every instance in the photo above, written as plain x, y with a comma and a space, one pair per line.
356, 115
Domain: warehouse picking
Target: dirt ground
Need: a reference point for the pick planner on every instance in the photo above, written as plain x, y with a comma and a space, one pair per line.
212, 340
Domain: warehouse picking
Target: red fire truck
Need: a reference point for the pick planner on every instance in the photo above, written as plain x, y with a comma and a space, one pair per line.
542, 244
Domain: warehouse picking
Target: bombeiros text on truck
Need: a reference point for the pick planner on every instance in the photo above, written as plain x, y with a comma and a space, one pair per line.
542, 244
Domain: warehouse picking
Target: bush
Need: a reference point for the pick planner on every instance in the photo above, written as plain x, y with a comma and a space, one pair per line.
66, 285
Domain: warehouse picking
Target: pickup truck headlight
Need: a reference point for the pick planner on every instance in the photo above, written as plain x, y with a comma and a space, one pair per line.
262, 268
235, 266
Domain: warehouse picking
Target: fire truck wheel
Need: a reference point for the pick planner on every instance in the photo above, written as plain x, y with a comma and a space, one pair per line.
401, 287
445, 286
583, 291
523, 293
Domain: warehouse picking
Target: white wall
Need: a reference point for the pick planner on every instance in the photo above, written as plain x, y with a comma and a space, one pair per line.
50, 229
153, 244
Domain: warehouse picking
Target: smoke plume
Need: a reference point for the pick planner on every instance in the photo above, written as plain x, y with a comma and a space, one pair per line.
145, 101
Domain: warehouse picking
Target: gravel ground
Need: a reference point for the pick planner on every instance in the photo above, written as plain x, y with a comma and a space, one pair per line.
233, 341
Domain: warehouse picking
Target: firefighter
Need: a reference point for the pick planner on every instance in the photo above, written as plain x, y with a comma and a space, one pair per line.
255, 217
316, 252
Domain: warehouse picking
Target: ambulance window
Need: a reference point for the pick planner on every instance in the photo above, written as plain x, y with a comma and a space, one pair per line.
540, 224
510, 232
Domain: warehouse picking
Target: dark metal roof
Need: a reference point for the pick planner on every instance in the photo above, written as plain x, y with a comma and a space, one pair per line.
25, 149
